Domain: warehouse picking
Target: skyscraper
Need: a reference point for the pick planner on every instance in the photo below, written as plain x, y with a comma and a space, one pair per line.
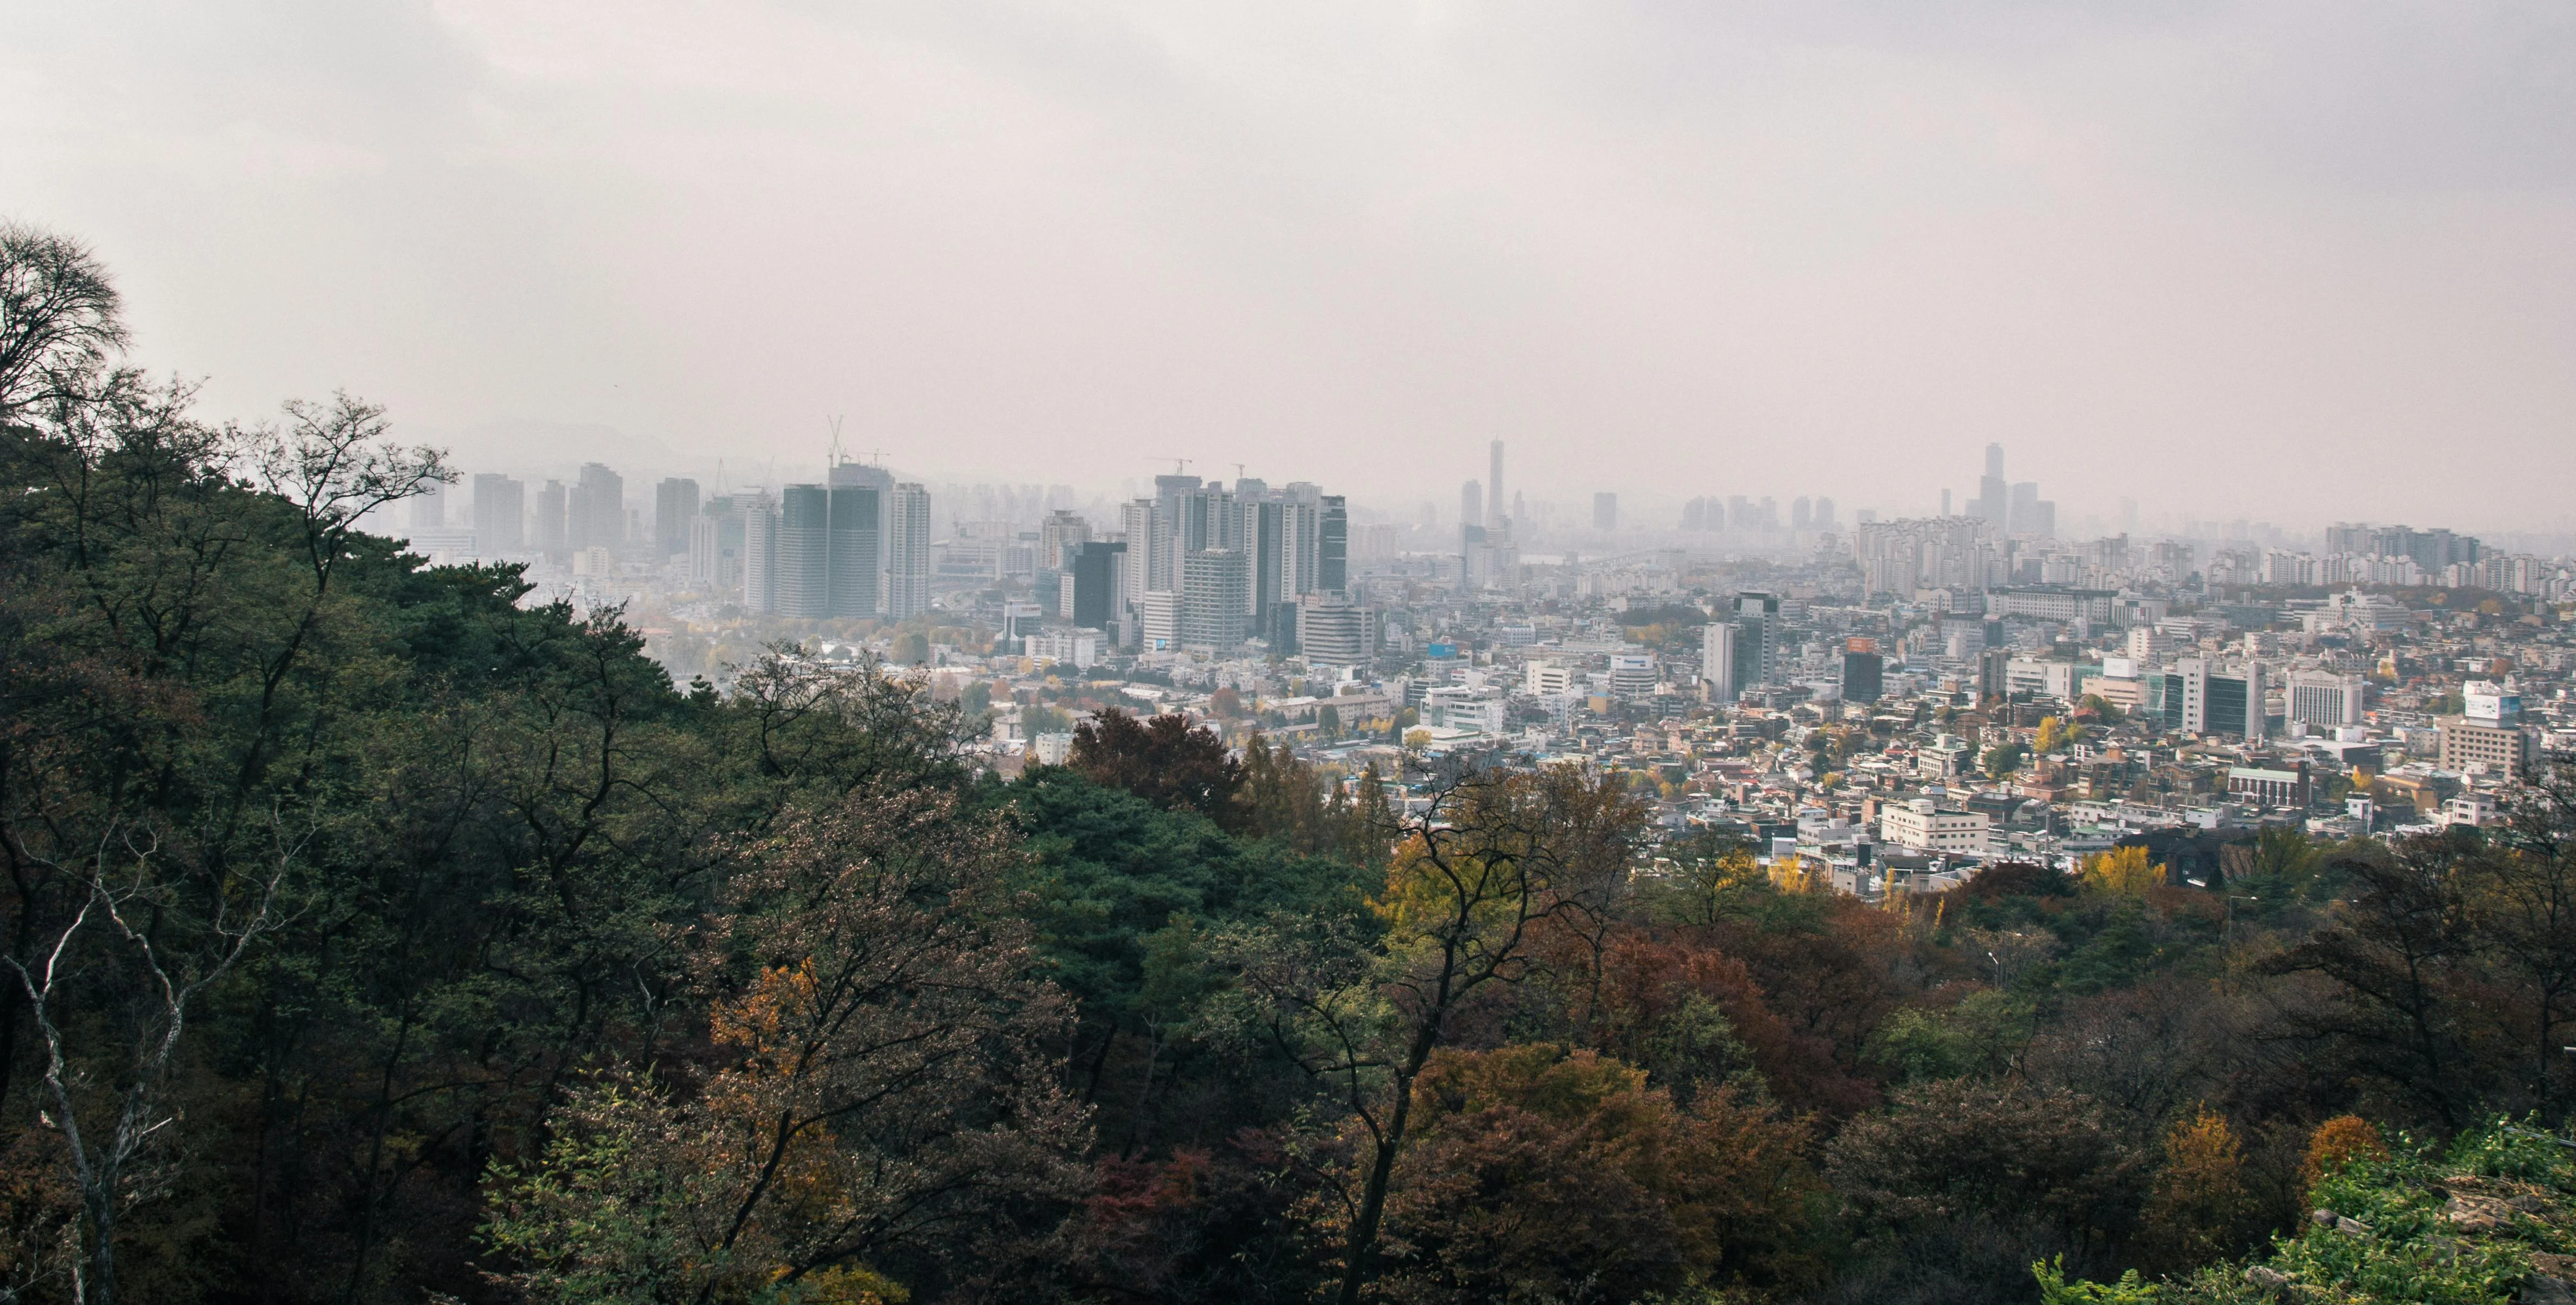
760, 554
500, 514
554, 521
1494, 499
1993, 495
675, 505
596, 508
1471, 505
908, 560
1138, 525
1215, 588
1097, 572
1717, 660
429, 508
804, 542
860, 474
1757, 639
1333, 547
850, 558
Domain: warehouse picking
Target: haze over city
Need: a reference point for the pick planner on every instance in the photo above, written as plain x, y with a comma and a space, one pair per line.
2268, 261
943, 653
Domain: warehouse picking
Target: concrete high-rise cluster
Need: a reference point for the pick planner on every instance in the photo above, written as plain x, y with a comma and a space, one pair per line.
856, 545
2012, 508
1201, 565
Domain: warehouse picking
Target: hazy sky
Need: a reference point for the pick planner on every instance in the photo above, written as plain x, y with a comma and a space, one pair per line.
2292, 260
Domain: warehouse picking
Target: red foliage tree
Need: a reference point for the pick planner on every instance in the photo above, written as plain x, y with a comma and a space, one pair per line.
1162, 760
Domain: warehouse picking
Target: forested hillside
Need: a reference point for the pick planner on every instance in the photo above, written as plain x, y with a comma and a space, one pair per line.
372, 937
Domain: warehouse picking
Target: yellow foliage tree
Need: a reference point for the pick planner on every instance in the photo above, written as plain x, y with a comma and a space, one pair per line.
2123, 870
2052, 736
2200, 1208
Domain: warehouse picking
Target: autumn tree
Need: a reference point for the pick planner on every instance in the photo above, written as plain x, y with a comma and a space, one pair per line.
1492, 860
1543, 1173
2200, 1206
1164, 760
885, 1099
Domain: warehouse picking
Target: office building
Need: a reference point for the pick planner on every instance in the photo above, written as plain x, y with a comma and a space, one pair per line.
1471, 504
2322, 699
500, 514
2500, 748
1158, 618
1632, 676
802, 579
675, 505
1334, 631
1863, 671
595, 508
554, 521
429, 508
1332, 547
1096, 576
1494, 499
760, 554
908, 557
2198, 698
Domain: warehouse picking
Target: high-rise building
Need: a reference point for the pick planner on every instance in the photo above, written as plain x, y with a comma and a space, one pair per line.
1056, 537
804, 543
850, 558
1863, 671
1994, 497
1717, 660
1605, 511
1215, 610
1757, 639
1334, 631
2323, 699
1178, 528
908, 563
554, 521
500, 514
760, 554
675, 505
846, 475
595, 508
429, 508
1332, 547
1824, 514
1494, 499
1096, 574
1139, 525
1158, 615
1471, 504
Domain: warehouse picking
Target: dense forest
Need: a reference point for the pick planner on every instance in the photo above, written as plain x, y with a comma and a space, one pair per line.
374, 936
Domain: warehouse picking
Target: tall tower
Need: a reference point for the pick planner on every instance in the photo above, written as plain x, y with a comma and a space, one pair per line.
1471, 504
1494, 499
908, 564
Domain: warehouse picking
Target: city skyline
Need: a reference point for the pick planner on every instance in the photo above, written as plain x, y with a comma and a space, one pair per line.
1719, 246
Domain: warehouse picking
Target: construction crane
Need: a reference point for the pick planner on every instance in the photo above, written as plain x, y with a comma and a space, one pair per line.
1180, 466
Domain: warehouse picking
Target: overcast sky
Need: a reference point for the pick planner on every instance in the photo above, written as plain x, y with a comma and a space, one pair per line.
2290, 260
